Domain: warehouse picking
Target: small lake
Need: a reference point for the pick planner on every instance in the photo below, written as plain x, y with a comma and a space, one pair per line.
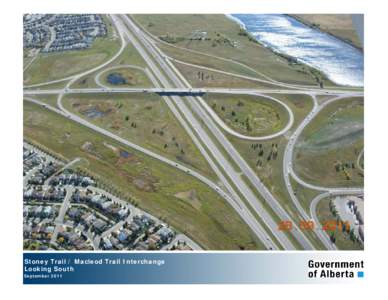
340, 62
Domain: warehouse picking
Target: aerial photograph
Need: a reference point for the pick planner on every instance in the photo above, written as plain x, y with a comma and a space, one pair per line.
193, 132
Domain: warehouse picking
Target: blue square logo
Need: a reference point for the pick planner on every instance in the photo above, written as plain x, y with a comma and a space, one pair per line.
360, 274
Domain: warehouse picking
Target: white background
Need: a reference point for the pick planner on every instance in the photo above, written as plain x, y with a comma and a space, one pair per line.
376, 115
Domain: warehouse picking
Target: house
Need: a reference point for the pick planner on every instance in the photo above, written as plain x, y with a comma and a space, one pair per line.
99, 225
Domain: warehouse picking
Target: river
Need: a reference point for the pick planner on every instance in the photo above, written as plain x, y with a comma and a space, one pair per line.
342, 63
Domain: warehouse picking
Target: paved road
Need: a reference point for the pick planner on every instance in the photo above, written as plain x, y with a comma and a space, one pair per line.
133, 212
205, 138
62, 212
180, 109
154, 40
182, 90
182, 238
288, 170
313, 212
288, 156
242, 211
221, 123
176, 102
97, 77
68, 165
359, 160
77, 76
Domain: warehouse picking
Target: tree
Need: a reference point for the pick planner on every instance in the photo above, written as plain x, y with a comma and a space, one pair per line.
332, 237
248, 124
126, 118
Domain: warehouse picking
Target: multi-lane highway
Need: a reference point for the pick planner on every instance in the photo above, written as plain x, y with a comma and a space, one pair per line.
175, 78
240, 187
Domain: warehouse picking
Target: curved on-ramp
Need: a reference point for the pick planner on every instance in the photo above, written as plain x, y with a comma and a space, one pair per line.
97, 77
225, 127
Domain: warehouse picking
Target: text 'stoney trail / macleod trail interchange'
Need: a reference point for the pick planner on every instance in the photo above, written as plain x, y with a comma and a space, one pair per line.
193, 132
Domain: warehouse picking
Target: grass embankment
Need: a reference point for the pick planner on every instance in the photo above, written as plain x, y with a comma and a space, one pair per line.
268, 166
129, 77
327, 151
56, 65
129, 56
199, 77
223, 37
143, 119
249, 115
208, 220
338, 25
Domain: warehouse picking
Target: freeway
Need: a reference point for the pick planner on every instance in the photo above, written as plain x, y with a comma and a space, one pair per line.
244, 213
170, 81
239, 206
196, 131
209, 142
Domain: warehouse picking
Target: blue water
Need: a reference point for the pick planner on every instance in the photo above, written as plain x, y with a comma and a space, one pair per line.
116, 78
339, 61
93, 113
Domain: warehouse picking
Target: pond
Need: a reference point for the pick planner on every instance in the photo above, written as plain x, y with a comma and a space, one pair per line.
116, 79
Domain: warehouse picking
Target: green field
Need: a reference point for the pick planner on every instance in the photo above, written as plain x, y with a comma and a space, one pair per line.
48, 99
339, 25
223, 39
129, 56
198, 77
205, 217
327, 151
269, 168
343, 241
249, 115
304, 194
51, 66
143, 119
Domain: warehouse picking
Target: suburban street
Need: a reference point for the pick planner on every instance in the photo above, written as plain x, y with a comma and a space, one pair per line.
241, 187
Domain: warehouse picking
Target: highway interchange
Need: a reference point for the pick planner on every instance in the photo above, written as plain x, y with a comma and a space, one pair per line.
193, 112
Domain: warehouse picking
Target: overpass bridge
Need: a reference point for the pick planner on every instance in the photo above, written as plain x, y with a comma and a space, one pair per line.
159, 91
186, 91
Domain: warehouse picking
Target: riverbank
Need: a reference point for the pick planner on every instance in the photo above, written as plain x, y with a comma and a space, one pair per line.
318, 26
339, 61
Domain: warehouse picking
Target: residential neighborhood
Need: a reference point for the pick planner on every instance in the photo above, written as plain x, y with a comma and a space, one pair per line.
61, 32
65, 209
